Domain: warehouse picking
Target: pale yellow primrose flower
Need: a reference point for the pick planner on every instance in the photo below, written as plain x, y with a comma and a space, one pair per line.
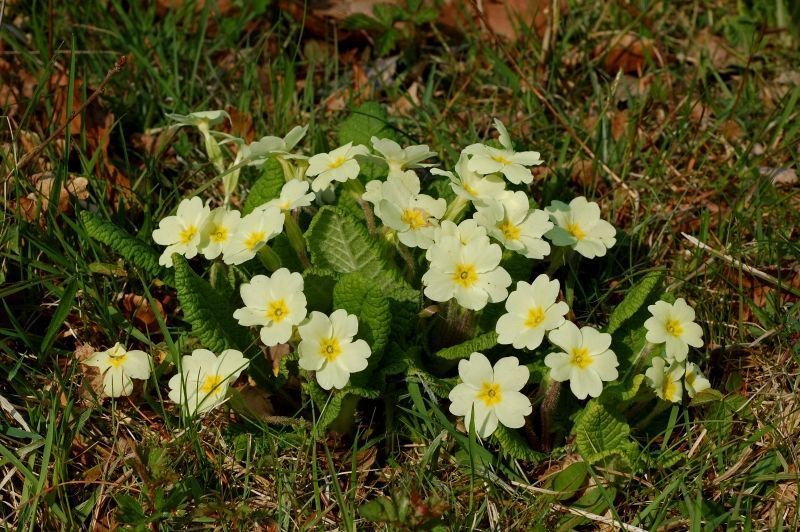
486, 160
259, 151
579, 226
252, 234
465, 232
294, 194
531, 312
674, 326
218, 231
519, 228
339, 165
275, 303
482, 191
666, 380
586, 360
400, 159
469, 273
397, 184
694, 380
182, 233
413, 215
492, 395
118, 367
203, 381
327, 348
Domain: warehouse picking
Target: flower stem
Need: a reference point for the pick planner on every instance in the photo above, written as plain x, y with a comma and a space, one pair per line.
456, 209
269, 258
355, 187
548, 407
295, 235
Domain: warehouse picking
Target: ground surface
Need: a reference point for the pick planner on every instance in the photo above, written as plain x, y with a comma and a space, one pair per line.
676, 117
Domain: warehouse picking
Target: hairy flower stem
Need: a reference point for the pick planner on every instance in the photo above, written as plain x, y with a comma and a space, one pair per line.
456, 209
269, 258
548, 407
295, 235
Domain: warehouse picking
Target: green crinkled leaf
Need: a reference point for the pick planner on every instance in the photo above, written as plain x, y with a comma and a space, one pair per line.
514, 445
338, 242
208, 311
636, 298
318, 286
267, 187
600, 433
465, 349
132, 249
358, 296
367, 120
665, 459
616, 395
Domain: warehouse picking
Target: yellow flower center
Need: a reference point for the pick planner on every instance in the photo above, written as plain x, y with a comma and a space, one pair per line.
465, 275
415, 218
490, 393
336, 163
219, 234
254, 239
501, 159
580, 357
469, 189
277, 311
212, 384
535, 317
576, 231
668, 388
330, 349
674, 327
188, 233
116, 360
285, 205
509, 230
690, 378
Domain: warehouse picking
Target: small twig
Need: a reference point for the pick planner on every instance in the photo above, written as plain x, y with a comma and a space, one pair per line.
739, 264
542, 98
28, 157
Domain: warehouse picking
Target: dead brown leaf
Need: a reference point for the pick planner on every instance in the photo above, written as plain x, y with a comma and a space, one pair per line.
254, 401
628, 53
43, 182
92, 378
583, 173
276, 353
779, 176
504, 17
715, 49
138, 310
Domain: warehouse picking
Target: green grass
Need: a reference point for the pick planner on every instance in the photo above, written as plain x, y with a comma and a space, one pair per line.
73, 463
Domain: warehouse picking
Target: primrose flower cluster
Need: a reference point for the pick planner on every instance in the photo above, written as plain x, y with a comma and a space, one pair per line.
466, 244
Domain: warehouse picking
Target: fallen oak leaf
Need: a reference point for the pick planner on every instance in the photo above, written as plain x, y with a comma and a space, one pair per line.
138, 310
